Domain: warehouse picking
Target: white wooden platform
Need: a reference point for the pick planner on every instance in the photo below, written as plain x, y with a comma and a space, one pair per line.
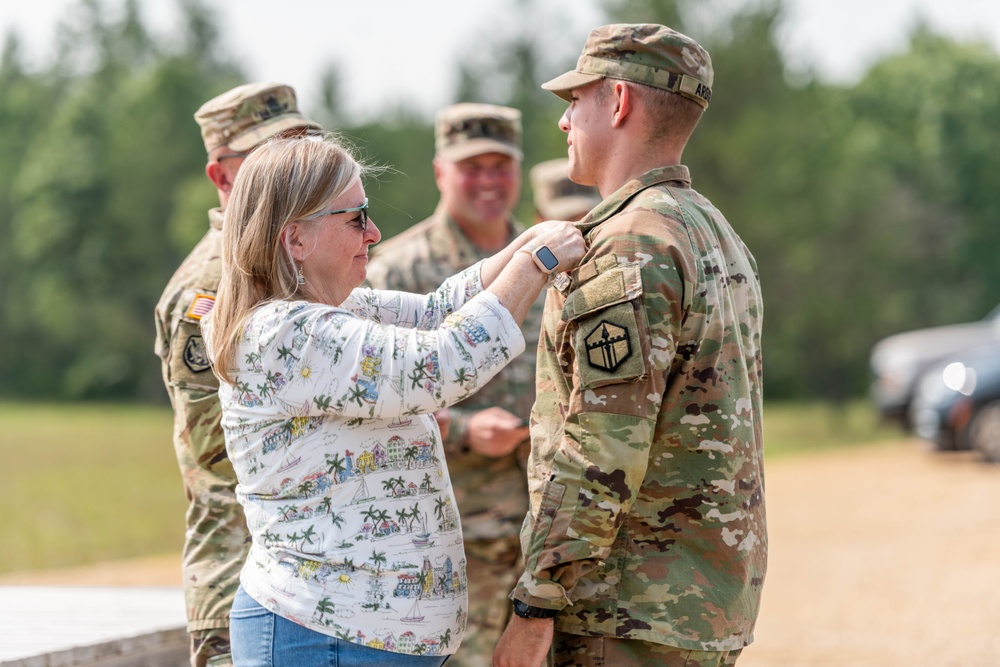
62, 626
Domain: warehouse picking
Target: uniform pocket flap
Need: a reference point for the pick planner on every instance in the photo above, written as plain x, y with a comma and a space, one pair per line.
618, 285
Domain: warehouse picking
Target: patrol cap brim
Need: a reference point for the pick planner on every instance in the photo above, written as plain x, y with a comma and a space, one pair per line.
474, 147
268, 129
563, 84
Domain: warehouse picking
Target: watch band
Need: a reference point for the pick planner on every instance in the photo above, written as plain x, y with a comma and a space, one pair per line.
525, 610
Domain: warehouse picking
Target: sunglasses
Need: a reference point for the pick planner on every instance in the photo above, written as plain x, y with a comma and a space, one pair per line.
363, 210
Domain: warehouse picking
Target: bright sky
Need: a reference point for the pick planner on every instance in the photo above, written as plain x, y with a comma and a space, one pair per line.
394, 50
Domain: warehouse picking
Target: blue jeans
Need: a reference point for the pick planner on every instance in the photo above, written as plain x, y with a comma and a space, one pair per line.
261, 638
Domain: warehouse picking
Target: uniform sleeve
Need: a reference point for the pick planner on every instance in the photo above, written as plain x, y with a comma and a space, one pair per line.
603, 362
181, 345
318, 361
192, 386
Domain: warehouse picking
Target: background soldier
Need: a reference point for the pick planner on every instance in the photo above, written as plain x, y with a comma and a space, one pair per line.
647, 539
555, 196
216, 540
477, 169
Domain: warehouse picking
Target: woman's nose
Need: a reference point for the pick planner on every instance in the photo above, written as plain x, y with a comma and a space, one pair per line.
372, 233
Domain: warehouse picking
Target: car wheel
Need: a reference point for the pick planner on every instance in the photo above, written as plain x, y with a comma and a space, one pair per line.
984, 431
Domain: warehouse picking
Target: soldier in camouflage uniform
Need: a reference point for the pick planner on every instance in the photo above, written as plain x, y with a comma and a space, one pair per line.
555, 196
477, 169
646, 542
216, 540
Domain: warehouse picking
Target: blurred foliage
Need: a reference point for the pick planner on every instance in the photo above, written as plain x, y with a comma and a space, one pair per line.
869, 207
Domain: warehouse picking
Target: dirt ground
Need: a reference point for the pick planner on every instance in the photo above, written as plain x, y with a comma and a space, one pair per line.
882, 556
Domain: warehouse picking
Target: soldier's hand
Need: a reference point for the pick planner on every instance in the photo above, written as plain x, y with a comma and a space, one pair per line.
525, 643
494, 432
443, 419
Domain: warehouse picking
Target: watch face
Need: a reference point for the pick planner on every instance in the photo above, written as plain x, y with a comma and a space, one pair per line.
547, 259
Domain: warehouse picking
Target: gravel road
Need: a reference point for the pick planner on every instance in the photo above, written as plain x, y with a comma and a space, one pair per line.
881, 556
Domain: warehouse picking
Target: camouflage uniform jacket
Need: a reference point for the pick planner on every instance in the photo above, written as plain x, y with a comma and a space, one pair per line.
492, 493
217, 539
646, 476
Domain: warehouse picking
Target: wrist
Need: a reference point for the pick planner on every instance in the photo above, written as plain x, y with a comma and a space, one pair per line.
526, 611
542, 256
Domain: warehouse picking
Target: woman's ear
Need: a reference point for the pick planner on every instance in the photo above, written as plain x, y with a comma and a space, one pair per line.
292, 238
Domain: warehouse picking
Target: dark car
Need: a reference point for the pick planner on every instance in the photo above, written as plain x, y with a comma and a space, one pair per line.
899, 361
956, 404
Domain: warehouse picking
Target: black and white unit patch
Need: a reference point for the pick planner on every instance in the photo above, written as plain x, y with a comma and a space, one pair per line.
195, 355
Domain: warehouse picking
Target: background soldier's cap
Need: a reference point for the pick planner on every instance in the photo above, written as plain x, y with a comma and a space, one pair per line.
247, 115
464, 130
557, 197
644, 53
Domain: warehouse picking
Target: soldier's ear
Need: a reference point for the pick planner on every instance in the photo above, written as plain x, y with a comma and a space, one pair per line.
437, 172
621, 103
219, 176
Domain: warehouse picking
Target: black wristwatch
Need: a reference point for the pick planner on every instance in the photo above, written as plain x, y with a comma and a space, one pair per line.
527, 611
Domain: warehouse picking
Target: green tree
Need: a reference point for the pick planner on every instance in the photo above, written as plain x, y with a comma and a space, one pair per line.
94, 198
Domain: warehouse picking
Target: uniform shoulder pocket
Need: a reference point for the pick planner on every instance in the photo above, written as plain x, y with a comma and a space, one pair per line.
609, 325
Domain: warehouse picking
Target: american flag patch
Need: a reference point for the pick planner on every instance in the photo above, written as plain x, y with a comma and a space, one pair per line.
201, 306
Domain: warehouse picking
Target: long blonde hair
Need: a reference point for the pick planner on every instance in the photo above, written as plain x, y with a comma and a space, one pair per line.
282, 181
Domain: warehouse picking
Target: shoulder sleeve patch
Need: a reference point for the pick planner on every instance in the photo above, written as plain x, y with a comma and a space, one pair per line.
201, 306
195, 355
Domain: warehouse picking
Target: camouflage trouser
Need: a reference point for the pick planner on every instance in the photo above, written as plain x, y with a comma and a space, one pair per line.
492, 568
210, 648
578, 651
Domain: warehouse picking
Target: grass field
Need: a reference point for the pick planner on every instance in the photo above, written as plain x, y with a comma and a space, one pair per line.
85, 484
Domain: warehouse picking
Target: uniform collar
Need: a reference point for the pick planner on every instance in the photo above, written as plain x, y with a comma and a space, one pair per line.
215, 218
678, 175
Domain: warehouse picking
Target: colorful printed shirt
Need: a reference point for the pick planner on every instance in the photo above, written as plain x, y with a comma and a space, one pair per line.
647, 482
340, 464
492, 493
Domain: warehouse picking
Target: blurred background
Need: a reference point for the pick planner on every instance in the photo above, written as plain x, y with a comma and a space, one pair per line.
854, 145
859, 164
858, 158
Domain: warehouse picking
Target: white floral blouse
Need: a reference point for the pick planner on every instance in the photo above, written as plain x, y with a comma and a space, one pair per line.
340, 464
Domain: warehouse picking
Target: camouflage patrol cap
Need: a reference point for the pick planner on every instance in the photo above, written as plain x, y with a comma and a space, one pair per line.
464, 130
557, 197
247, 115
644, 53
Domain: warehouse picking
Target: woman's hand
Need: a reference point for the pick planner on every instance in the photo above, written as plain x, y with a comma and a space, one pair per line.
563, 239
514, 278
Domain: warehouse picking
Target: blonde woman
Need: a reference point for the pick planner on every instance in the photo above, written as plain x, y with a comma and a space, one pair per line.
328, 392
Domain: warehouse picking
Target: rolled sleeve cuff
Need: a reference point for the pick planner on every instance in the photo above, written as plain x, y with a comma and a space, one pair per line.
454, 444
543, 593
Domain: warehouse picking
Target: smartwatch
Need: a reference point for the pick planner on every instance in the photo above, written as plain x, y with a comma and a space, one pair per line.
545, 259
527, 611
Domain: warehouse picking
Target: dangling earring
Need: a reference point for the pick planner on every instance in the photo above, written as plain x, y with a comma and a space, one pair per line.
300, 279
